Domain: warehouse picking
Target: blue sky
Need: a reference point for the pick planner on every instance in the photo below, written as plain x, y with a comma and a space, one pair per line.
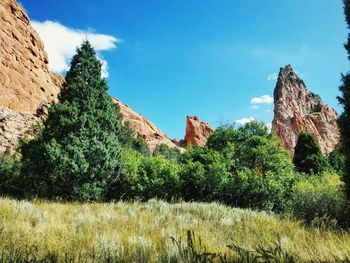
169, 59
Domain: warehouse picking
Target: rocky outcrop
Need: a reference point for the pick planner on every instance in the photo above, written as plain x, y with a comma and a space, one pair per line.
25, 80
14, 125
297, 109
197, 131
143, 128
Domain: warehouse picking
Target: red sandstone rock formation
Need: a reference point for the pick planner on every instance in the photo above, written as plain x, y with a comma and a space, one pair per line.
197, 131
26, 83
25, 80
297, 109
143, 128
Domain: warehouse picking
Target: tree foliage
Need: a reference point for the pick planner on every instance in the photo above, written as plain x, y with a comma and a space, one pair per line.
336, 160
344, 100
166, 151
77, 153
308, 157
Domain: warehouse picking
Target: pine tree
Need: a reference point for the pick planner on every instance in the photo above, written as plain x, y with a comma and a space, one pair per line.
308, 157
77, 154
344, 100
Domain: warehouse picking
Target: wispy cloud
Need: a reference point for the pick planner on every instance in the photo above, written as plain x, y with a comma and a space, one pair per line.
245, 120
254, 107
264, 99
61, 42
272, 76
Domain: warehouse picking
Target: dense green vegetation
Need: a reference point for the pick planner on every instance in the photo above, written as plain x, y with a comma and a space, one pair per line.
344, 100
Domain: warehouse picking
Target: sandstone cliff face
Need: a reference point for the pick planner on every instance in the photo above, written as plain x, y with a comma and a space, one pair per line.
197, 131
25, 80
297, 109
143, 128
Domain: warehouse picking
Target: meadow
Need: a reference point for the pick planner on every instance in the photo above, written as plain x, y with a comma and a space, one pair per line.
157, 231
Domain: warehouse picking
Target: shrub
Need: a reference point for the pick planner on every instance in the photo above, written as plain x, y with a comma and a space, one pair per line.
251, 189
203, 174
148, 177
10, 181
308, 157
318, 196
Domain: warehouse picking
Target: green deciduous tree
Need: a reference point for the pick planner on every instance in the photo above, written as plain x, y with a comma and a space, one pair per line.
250, 146
77, 153
308, 157
344, 119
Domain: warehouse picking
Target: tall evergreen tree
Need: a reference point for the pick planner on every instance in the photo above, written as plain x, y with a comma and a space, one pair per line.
308, 157
344, 119
77, 154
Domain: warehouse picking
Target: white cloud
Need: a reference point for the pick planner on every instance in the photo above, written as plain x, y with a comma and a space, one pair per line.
245, 120
272, 76
254, 107
264, 99
61, 42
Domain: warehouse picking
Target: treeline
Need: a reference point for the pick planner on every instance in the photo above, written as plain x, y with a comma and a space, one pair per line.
83, 153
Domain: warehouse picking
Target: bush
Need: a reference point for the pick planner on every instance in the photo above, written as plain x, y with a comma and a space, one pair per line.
11, 183
251, 189
147, 177
203, 174
318, 196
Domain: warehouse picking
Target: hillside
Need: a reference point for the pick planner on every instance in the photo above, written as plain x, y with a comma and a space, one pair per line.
156, 231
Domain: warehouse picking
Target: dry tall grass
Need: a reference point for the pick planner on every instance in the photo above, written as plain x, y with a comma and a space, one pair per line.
156, 232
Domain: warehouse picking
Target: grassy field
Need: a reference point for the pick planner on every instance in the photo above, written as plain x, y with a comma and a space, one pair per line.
158, 232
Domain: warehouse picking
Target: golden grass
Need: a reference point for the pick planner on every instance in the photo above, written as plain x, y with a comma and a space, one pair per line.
143, 232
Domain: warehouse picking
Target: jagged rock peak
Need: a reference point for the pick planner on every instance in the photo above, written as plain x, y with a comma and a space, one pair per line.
197, 131
297, 109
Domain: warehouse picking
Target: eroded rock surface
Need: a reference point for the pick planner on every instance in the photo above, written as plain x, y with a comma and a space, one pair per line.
197, 131
26, 84
143, 128
297, 109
